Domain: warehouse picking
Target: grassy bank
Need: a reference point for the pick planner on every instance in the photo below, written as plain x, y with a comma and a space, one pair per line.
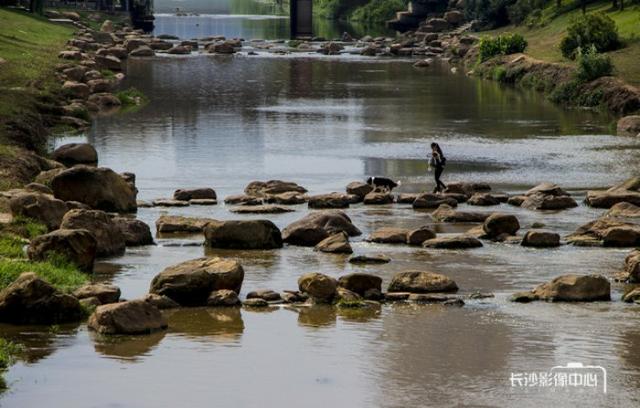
546, 32
29, 46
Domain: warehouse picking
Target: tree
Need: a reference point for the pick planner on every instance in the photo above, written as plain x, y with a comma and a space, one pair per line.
36, 6
558, 4
583, 4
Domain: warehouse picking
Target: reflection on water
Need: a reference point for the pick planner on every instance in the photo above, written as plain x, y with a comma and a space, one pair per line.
323, 122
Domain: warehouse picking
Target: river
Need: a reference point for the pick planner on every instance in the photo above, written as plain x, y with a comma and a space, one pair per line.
223, 121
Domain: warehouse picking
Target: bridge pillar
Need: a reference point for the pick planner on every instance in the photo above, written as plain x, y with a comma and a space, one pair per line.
301, 12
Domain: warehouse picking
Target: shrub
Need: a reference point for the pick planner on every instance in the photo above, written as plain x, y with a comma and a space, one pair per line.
522, 10
596, 30
592, 65
378, 11
492, 13
503, 44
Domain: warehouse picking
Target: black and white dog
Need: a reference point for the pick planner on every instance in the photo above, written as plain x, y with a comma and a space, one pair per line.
382, 183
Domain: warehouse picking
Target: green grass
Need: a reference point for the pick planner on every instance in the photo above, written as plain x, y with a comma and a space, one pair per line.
11, 246
56, 271
23, 227
131, 99
544, 40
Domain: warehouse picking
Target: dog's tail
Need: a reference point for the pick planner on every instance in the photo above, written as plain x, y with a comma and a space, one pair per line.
398, 182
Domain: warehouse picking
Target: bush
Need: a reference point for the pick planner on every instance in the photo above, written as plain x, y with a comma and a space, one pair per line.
592, 65
596, 30
378, 11
504, 44
522, 10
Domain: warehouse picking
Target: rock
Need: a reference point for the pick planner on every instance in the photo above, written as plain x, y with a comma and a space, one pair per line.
389, 235
623, 210
76, 89
546, 189
99, 85
104, 100
430, 298
167, 202
40, 207
255, 302
78, 246
107, 26
497, 224
100, 188
45, 177
483, 199
445, 213
75, 73
71, 15
263, 188
370, 50
38, 188
360, 283
289, 296
70, 55
104, 293
359, 189
251, 234
627, 191
421, 282
430, 200
223, 297
608, 232
541, 239
109, 239
190, 283
136, 232
337, 243
180, 224
109, 62
203, 201
31, 300
288, 198
221, 48
632, 296
264, 294
516, 200
160, 301
134, 43
316, 226
262, 209
468, 189
160, 45
144, 51
319, 287
330, 48
423, 63
629, 126
331, 200
369, 259
569, 288
452, 242
75, 153
396, 296
541, 201
195, 193
406, 198
180, 50
437, 24
346, 296
89, 303
419, 235
454, 17
243, 199
632, 267
376, 198
131, 317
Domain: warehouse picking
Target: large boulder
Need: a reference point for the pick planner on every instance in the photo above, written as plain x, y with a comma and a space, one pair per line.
468, 189
445, 213
76, 153
131, 317
540, 201
388, 235
607, 232
419, 235
136, 232
623, 210
331, 200
632, 267
336, 243
378, 198
31, 300
190, 283
546, 189
100, 188
629, 126
453, 242
483, 199
40, 207
569, 288
319, 287
109, 238
316, 226
78, 246
421, 282
287, 198
179, 224
223, 297
627, 191
430, 200
360, 283
359, 189
541, 239
103, 292
194, 194
498, 224
262, 188
251, 234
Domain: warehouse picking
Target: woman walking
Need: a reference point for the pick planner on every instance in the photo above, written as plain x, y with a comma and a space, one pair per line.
437, 162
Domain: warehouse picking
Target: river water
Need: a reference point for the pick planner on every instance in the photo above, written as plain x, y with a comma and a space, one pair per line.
223, 121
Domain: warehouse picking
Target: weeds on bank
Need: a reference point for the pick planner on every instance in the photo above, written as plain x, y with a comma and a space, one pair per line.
131, 99
56, 270
9, 352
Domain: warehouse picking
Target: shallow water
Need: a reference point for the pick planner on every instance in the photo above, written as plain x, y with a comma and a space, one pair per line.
223, 121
